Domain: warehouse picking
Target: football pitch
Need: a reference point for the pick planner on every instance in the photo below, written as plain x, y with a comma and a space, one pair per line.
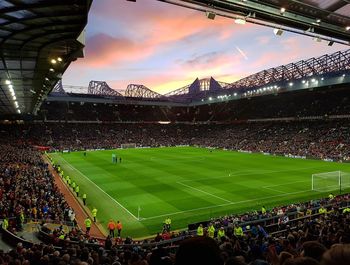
187, 184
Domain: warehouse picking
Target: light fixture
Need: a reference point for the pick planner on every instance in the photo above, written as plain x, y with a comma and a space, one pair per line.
53, 61
318, 20
240, 21
347, 28
210, 15
290, 84
52, 70
59, 59
10, 86
278, 32
8, 82
19, 111
14, 98
282, 10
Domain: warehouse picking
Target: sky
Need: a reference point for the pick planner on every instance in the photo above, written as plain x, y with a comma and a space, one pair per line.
166, 47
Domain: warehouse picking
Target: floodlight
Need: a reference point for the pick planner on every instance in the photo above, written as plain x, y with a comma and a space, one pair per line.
240, 21
278, 32
210, 15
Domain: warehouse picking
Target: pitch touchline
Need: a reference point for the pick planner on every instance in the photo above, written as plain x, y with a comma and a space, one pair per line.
101, 190
222, 205
179, 182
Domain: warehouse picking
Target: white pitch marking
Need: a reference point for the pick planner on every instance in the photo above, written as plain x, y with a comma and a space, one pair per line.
225, 204
266, 187
250, 172
270, 187
102, 190
179, 182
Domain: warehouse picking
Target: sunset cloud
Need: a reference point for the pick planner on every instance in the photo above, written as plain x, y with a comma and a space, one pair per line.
166, 47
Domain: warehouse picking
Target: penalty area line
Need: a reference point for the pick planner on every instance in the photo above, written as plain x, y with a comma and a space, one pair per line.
202, 191
109, 196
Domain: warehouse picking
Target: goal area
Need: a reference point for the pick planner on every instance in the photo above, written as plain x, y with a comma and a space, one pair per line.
128, 145
330, 181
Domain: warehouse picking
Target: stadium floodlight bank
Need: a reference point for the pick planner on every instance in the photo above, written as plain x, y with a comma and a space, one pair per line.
330, 181
129, 145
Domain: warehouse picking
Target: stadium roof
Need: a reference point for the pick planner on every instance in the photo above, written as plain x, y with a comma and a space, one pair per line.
38, 41
326, 70
322, 19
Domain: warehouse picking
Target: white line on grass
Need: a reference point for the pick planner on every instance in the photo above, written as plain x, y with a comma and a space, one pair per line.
179, 182
270, 187
101, 190
250, 172
222, 205
287, 183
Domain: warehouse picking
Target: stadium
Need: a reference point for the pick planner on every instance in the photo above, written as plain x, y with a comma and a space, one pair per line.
216, 170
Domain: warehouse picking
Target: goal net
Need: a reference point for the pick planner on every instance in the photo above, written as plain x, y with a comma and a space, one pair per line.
330, 181
128, 145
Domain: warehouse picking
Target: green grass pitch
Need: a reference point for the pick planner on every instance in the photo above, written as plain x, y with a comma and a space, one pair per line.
187, 184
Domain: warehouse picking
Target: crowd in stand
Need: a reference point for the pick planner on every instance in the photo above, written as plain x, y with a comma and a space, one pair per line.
27, 189
323, 240
317, 139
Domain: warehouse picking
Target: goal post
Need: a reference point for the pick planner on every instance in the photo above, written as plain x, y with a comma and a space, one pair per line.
330, 181
128, 145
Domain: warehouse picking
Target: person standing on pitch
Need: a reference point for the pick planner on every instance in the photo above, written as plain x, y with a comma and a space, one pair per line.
111, 228
94, 213
119, 228
84, 199
77, 189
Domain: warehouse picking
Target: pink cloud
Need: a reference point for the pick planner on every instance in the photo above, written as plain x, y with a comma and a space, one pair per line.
291, 49
103, 50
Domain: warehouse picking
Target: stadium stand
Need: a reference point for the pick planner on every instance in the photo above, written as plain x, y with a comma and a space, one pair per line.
323, 139
306, 129
305, 123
